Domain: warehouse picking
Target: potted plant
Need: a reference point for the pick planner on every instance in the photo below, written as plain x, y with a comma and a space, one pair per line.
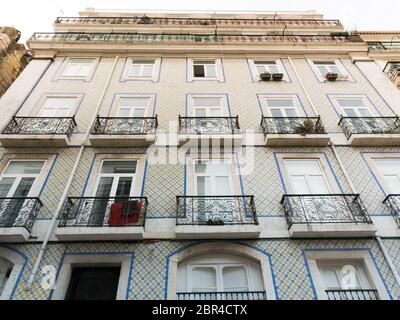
216, 221
277, 76
265, 76
309, 127
331, 76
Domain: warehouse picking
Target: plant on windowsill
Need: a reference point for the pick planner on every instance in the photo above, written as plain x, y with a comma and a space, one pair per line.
266, 76
331, 76
215, 222
309, 127
277, 76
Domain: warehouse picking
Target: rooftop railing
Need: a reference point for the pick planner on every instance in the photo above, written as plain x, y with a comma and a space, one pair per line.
41, 126
354, 294
202, 38
216, 210
19, 212
384, 45
292, 125
209, 125
263, 22
125, 126
324, 208
369, 125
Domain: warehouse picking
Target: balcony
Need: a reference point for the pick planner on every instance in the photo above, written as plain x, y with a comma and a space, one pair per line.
216, 217
383, 45
97, 218
123, 132
199, 22
294, 131
244, 296
356, 294
327, 215
371, 131
392, 69
17, 216
38, 131
393, 202
210, 130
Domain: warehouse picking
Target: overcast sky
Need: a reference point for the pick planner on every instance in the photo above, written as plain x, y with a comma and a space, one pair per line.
38, 15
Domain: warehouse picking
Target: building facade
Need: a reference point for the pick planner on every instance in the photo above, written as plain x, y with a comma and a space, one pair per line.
13, 57
202, 156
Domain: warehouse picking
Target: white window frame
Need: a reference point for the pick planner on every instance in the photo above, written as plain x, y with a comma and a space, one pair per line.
61, 74
36, 110
278, 63
361, 256
328, 175
115, 107
366, 101
343, 76
218, 70
126, 76
95, 172
266, 109
192, 176
223, 99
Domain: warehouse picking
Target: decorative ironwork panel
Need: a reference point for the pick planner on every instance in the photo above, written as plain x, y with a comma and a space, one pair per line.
324, 208
357, 294
125, 126
209, 125
292, 125
216, 210
380, 46
369, 125
237, 295
18, 212
197, 21
181, 37
41, 125
393, 202
392, 69
104, 212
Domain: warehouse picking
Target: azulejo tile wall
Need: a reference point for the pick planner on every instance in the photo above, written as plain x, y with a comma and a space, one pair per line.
148, 271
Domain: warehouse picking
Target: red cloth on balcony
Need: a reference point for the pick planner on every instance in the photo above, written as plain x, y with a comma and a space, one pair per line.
124, 213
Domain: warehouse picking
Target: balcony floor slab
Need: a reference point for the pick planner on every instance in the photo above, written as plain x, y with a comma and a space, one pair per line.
374, 140
14, 234
211, 139
332, 230
24, 140
217, 232
297, 140
100, 140
99, 233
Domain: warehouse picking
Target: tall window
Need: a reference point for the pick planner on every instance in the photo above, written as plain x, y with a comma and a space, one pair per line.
219, 273
79, 67
353, 107
281, 107
390, 172
17, 182
306, 176
207, 107
141, 68
266, 67
325, 67
213, 177
133, 106
204, 69
58, 107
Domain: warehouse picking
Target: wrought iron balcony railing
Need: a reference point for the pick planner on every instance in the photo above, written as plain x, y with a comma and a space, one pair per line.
209, 125
292, 125
125, 126
392, 69
104, 212
356, 294
393, 202
369, 125
200, 22
384, 45
127, 37
41, 126
324, 209
216, 210
245, 295
19, 212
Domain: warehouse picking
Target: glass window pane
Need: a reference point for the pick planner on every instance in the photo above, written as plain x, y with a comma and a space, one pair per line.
393, 183
261, 69
5, 186
364, 112
133, 102
203, 186
200, 112
222, 187
211, 71
215, 112
134, 71
24, 187
350, 112
148, 70
276, 113
24, 167
59, 102
299, 185
280, 103
201, 166
119, 166
124, 112
291, 112
317, 185
124, 187
330, 278
351, 102
204, 279
104, 187
207, 102
273, 69
139, 112
323, 70
198, 71
335, 69
235, 279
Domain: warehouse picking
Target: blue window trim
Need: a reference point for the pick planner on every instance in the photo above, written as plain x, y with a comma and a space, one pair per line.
223, 80
118, 95
283, 95
57, 76
190, 95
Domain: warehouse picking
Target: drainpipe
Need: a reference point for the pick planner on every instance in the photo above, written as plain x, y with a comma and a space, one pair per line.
68, 185
352, 187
